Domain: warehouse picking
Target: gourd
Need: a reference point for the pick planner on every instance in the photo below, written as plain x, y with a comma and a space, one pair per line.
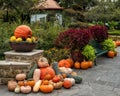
12, 85
37, 86
46, 88
20, 77
67, 84
31, 72
78, 79
25, 89
23, 31
45, 71
64, 63
36, 75
43, 62
17, 89
57, 85
72, 80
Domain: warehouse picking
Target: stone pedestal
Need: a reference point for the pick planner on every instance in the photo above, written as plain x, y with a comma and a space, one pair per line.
17, 62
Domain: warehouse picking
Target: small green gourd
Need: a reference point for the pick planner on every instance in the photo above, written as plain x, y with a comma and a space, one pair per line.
30, 73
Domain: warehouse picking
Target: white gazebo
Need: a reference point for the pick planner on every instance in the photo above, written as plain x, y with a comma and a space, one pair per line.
47, 5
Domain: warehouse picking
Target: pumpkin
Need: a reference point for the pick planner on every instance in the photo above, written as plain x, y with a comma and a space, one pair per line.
36, 86
30, 83
56, 79
36, 75
65, 70
84, 65
70, 61
90, 64
111, 54
47, 77
72, 80
21, 83
45, 71
74, 73
64, 63
57, 85
46, 88
20, 77
77, 65
23, 31
12, 85
25, 89
67, 84
45, 82
43, 62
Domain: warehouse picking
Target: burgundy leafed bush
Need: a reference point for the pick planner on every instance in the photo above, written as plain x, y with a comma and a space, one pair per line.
99, 33
73, 38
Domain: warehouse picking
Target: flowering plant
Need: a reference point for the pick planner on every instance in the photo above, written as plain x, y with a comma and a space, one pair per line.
55, 54
73, 39
99, 33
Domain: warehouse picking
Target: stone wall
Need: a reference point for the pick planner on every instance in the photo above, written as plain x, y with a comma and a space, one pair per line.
17, 62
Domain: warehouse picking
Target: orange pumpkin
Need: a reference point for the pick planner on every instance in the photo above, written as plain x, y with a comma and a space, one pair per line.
47, 77
90, 64
30, 83
111, 54
23, 31
56, 79
45, 82
84, 65
64, 63
45, 71
21, 83
46, 88
70, 61
77, 65
67, 84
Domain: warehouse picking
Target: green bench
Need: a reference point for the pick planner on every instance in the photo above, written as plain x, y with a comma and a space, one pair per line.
98, 49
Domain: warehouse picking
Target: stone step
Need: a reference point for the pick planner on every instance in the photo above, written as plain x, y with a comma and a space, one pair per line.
9, 69
23, 56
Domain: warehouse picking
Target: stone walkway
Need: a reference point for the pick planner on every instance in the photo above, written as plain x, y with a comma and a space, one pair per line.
101, 80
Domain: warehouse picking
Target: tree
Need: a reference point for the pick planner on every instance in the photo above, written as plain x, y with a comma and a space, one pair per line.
17, 6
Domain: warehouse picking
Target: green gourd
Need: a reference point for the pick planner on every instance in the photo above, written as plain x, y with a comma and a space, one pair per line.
30, 73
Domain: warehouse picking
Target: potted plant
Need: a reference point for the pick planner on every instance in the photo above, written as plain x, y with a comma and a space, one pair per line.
108, 44
89, 53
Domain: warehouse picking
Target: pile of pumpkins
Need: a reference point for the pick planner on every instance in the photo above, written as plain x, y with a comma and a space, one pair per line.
23, 33
44, 79
69, 63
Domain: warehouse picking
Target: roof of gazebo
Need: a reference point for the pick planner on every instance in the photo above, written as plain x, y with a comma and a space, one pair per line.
48, 4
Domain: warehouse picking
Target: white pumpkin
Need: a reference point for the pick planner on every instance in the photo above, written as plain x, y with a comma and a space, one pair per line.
72, 80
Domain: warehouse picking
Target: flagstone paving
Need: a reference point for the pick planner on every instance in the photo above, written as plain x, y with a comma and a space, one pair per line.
101, 80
